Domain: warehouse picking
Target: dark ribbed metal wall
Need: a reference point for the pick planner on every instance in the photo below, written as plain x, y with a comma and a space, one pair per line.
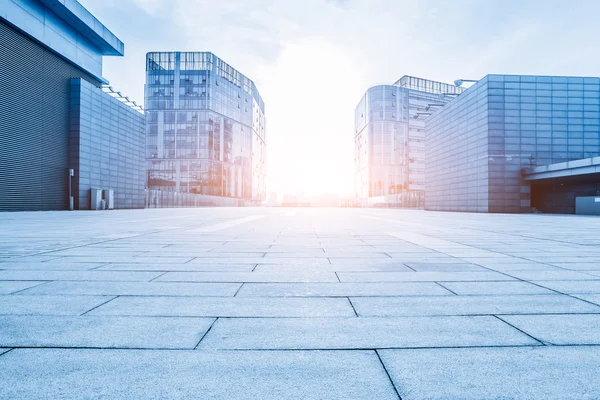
34, 124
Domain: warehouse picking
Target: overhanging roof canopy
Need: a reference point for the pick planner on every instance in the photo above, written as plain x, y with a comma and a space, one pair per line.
80, 19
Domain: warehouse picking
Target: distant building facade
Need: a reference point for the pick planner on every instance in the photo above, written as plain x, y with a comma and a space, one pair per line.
205, 128
480, 146
51, 68
389, 140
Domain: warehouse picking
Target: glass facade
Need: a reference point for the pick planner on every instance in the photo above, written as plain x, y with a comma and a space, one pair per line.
205, 127
389, 140
477, 145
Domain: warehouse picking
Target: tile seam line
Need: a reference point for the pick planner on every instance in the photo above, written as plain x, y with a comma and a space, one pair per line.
387, 374
352, 305
205, 333
522, 331
31, 287
99, 305
450, 290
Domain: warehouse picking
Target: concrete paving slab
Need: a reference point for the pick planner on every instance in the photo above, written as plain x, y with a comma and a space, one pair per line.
572, 287
592, 298
549, 373
361, 333
8, 287
580, 266
227, 307
356, 267
326, 375
135, 289
443, 267
159, 259
48, 266
495, 288
49, 305
470, 305
421, 276
566, 329
300, 276
552, 275
179, 267
342, 289
102, 332
260, 260
133, 276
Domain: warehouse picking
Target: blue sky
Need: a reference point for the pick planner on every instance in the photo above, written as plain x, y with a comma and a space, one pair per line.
312, 60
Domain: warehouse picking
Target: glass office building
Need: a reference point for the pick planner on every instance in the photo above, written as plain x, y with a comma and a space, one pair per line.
478, 146
389, 140
205, 128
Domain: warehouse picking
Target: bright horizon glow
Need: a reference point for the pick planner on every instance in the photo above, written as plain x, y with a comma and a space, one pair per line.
313, 60
310, 100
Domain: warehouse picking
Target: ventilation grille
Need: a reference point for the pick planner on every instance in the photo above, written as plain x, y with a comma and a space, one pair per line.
34, 124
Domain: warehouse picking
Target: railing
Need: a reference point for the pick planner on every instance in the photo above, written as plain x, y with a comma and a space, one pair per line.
162, 199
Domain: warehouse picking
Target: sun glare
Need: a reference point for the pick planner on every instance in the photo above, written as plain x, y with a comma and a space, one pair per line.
311, 95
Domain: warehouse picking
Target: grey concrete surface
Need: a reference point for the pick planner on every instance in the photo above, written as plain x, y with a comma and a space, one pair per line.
77, 374
549, 373
361, 333
305, 303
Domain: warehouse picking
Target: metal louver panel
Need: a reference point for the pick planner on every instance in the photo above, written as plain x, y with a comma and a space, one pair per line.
34, 124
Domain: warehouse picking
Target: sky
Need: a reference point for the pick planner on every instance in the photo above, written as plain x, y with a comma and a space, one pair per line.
312, 60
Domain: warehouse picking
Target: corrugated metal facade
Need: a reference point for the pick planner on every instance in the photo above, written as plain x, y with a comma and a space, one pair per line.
34, 124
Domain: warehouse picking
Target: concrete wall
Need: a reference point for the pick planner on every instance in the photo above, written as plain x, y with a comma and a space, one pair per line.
34, 124
456, 148
35, 19
107, 147
500, 125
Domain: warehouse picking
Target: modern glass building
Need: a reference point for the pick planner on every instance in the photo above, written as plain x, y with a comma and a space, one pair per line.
205, 130
54, 115
479, 146
389, 140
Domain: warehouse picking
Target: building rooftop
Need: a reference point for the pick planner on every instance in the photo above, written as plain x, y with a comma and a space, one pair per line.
426, 85
80, 19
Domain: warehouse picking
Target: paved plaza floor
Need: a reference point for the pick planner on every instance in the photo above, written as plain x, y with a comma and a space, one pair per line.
282, 303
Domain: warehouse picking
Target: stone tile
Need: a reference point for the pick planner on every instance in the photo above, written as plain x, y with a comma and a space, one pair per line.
579, 266
568, 329
421, 276
179, 267
398, 267
469, 305
443, 267
326, 375
8, 287
592, 298
552, 275
300, 276
227, 307
48, 266
495, 288
572, 287
135, 289
342, 289
132, 276
104, 332
49, 305
158, 259
361, 333
549, 373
